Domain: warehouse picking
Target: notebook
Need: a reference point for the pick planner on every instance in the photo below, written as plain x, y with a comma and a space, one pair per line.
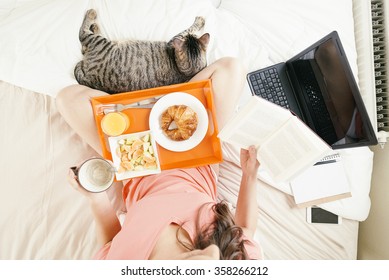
319, 87
321, 183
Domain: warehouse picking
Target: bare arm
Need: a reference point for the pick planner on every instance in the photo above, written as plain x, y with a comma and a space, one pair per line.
107, 223
247, 207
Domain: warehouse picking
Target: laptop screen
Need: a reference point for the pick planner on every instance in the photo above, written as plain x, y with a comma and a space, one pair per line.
325, 81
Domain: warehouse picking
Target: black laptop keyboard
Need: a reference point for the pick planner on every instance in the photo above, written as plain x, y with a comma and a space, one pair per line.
267, 84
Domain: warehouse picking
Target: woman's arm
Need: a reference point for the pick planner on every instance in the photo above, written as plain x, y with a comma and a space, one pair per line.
107, 223
73, 102
247, 207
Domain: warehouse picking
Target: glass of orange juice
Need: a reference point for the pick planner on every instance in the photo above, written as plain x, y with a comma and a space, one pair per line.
115, 123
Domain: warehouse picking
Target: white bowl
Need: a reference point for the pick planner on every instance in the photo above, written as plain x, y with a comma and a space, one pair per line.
114, 143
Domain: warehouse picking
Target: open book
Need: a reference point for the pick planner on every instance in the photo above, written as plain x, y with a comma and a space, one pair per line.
286, 146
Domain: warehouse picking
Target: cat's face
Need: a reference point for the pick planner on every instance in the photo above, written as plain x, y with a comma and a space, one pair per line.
190, 53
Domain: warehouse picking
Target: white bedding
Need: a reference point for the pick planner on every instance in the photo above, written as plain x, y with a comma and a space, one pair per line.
39, 48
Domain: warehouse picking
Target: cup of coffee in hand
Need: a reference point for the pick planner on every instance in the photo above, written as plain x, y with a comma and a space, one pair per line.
95, 174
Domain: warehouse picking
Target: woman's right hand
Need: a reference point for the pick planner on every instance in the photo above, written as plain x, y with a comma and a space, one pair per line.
246, 213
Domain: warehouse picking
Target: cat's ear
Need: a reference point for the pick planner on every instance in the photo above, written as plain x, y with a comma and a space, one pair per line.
204, 39
177, 43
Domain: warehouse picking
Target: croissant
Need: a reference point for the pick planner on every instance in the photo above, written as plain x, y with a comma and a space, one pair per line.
185, 120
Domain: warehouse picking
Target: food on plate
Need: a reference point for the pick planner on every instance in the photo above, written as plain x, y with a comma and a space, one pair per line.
185, 120
115, 123
136, 154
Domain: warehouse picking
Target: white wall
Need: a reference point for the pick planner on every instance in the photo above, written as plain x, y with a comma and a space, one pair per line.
374, 231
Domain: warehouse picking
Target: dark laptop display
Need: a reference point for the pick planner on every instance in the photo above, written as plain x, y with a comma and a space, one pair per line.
319, 87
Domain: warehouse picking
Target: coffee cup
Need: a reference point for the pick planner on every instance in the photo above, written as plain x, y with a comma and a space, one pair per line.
95, 174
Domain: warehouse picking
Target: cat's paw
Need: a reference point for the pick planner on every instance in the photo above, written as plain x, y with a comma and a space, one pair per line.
199, 21
94, 28
91, 14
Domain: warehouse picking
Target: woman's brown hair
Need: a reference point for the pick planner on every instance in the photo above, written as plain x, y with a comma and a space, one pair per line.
222, 232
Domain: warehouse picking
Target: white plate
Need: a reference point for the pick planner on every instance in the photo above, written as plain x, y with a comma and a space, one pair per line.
113, 144
178, 98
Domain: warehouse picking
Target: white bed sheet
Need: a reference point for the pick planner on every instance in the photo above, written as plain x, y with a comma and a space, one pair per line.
41, 47
42, 215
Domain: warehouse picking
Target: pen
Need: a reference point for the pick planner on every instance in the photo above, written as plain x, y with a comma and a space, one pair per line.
325, 162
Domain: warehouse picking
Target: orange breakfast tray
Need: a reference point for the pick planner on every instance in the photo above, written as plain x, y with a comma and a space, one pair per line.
207, 152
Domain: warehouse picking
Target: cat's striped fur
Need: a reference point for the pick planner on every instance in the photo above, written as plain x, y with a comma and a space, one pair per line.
130, 65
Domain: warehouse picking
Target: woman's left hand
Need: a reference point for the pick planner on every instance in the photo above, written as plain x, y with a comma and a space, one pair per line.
73, 180
248, 161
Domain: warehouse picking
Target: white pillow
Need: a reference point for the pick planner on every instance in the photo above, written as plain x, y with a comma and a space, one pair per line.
358, 163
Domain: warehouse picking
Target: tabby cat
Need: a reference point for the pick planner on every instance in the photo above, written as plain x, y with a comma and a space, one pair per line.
113, 66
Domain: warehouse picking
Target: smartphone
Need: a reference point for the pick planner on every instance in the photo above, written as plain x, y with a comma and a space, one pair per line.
317, 215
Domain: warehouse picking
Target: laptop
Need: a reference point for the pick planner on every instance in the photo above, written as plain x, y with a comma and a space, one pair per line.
318, 86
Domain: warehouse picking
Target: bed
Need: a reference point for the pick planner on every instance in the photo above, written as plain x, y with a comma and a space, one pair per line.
43, 218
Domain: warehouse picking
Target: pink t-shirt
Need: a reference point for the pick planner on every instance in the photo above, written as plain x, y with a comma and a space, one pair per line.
155, 201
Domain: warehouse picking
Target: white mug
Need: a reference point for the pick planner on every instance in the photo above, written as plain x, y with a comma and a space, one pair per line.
95, 174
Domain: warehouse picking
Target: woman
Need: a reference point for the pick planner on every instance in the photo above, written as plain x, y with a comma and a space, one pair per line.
174, 214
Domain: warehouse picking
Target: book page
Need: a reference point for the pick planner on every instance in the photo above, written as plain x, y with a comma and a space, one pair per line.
254, 123
290, 150
285, 145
